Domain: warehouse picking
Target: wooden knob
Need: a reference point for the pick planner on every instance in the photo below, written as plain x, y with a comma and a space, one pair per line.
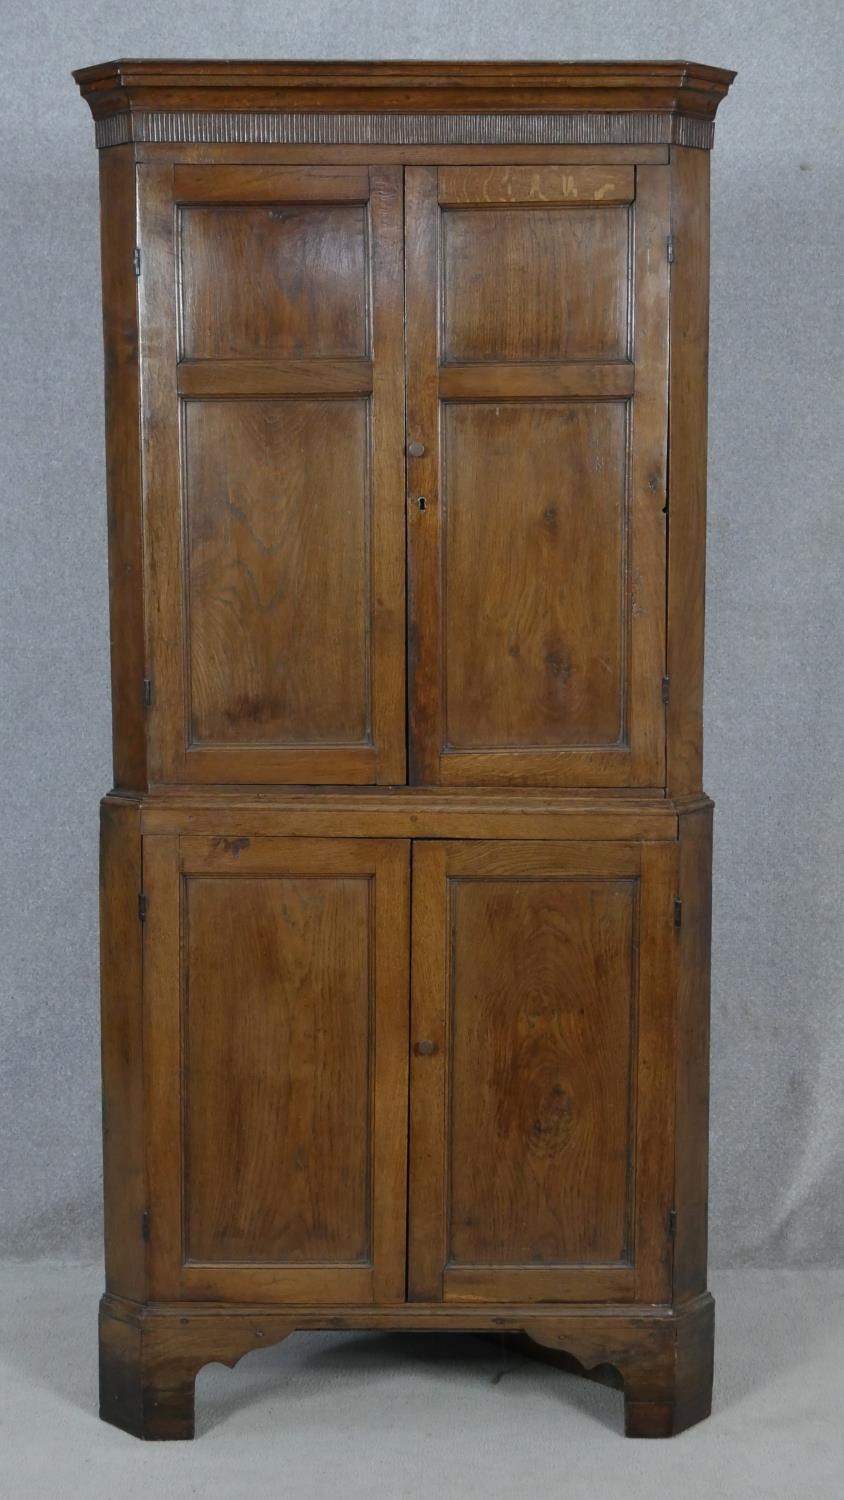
416, 450
424, 1049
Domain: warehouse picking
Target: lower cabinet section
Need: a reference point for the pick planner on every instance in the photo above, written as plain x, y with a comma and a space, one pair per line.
388, 1082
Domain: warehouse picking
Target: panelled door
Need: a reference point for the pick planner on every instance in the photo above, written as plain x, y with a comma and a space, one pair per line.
275, 1063
271, 319
537, 326
541, 1071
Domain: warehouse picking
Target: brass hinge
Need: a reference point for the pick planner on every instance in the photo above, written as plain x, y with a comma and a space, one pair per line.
666, 685
669, 249
142, 907
678, 912
145, 1226
136, 260
147, 692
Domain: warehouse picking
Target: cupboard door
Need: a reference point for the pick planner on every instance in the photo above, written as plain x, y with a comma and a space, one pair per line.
537, 363
541, 1073
271, 326
275, 983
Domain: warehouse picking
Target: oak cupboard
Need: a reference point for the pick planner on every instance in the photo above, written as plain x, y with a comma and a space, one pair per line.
405, 874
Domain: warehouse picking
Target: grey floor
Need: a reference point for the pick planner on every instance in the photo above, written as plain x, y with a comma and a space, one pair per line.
423, 1415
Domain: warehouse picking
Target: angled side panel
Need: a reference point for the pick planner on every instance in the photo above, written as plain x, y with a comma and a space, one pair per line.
691, 1170
687, 405
123, 466
124, 1166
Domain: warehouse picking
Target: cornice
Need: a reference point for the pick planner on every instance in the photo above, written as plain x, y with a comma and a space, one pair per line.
281, 103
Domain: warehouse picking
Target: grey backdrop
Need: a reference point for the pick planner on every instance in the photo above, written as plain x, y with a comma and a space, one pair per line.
776, 625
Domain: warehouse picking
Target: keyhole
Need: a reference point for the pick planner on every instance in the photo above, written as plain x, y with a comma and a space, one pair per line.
422, 502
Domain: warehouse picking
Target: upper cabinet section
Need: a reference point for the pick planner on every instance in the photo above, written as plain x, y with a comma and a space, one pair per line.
395, 356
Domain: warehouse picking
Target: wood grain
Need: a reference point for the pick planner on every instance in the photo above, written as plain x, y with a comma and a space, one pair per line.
411, 812
278, 1069
229, 153
479, 185
125, 1122
687, 449
424, 563
541, 1016
632, 90
277, 1047
450, 280
534, 537
482, 1186
235, 378
265, 184
276, 645
534, 284
537, 642
149, 1358
516, 382
691, 1163
292, 280
646, 562
118, 237
278, 571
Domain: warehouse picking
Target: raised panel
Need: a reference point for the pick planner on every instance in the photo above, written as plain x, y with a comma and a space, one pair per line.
534, 283
534, 570
284, 281
541, 1018
277, 549
278, 1081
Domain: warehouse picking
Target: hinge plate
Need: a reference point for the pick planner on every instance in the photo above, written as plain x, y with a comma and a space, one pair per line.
147, 692
142, 907
671, 1225
678, 912
136, 260
666, 688
145, 1226
669, 249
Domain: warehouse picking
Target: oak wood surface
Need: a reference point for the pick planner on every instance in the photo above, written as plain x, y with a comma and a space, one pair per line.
345, 382
276, 1045
413, 812
537, 646
149, 1357
185, 153
276, 645
691, 1168
268, 663
541, 977
522, 184
292, 279
687, 431
679, 87
118, 236
124, 1120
